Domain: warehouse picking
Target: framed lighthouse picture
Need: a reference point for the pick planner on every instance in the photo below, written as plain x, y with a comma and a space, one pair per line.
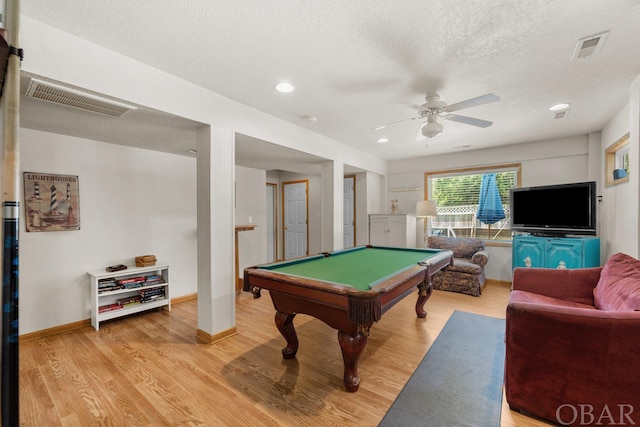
52, 202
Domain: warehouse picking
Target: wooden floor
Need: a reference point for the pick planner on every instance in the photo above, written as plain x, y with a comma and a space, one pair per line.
149, 370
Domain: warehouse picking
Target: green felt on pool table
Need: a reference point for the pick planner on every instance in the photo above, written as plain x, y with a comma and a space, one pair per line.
360, 268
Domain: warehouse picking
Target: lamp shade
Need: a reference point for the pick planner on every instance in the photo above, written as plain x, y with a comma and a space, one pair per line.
426, 208
431, 128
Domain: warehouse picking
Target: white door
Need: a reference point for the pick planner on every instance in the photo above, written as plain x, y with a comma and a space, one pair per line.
295, 219
271, 222
349, 212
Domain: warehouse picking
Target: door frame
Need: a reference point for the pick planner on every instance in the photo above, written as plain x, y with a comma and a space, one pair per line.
275, 220
355, 213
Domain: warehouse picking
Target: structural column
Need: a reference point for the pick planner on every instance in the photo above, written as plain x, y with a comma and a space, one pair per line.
332, 205
216, 282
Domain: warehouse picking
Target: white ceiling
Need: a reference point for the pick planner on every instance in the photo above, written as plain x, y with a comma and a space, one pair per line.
359, 64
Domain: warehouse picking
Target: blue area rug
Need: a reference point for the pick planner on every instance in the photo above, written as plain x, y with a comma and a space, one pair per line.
459, 381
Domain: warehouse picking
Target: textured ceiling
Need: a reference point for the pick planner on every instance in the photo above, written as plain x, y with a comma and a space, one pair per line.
359, 64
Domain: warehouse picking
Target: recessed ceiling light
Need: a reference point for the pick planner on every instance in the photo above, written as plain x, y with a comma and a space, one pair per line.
560, 107
383, 140
284, 87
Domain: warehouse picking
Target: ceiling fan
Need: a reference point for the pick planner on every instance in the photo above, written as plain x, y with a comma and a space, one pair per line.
434, 108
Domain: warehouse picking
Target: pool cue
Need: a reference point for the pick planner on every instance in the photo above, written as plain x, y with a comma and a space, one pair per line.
10, 220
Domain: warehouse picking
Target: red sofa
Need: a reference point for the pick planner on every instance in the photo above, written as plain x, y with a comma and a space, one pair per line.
573, 343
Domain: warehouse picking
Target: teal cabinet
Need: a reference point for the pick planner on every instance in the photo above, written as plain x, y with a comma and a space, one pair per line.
555, 252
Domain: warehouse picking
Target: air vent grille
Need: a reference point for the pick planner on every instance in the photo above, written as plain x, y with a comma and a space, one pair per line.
561, 114
61, 95
589, 45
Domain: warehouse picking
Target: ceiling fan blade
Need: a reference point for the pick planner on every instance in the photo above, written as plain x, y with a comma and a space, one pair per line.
484, 99
393, 123
414, 106
469, 120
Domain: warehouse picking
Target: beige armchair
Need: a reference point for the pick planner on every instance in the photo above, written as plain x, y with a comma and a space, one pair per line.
466, 275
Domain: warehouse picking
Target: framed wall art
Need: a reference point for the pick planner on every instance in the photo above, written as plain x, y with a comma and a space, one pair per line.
52, 202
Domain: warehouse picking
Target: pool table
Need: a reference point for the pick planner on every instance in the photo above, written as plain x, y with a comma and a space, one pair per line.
349, 290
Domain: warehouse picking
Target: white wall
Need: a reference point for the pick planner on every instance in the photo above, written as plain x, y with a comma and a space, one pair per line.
132, 202
251, 202
556, 161
619, 217
59, 56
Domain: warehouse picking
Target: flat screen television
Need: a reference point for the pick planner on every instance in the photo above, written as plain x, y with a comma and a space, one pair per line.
555, 210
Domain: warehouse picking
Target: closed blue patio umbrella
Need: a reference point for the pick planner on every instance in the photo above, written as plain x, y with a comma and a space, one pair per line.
490, 208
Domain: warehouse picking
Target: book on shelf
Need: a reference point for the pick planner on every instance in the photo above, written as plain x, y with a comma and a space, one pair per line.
133, 299
109, 307
151, 298
130, 280
152, 291
152, 294
133, 285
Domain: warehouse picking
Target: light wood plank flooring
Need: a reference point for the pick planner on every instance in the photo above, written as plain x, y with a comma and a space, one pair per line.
149, 370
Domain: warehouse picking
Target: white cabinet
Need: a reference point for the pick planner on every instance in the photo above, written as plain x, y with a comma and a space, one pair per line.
136, 289
397, 230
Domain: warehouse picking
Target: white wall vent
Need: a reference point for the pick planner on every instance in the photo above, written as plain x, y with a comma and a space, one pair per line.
561, 114
589, 45
61, 95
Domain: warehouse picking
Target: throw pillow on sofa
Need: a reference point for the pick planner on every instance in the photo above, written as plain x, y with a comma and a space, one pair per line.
619, 286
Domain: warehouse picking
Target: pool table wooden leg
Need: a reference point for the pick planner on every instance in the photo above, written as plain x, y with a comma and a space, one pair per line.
352, 348
284, 322
426, 289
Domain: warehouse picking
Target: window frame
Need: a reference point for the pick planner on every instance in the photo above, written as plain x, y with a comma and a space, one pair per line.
614, 159
477, 170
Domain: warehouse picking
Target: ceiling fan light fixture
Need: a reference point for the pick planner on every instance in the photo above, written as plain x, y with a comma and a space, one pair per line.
431, 129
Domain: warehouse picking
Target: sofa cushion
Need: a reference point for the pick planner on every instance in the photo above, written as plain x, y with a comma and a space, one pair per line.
619, 286
530, 297
464, 265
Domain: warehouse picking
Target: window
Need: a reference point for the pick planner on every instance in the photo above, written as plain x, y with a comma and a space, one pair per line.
457, 195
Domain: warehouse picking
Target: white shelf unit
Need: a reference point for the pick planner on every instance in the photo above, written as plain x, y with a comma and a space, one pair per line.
99, 299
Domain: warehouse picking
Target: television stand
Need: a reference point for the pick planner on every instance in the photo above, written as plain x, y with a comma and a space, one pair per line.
555, 251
